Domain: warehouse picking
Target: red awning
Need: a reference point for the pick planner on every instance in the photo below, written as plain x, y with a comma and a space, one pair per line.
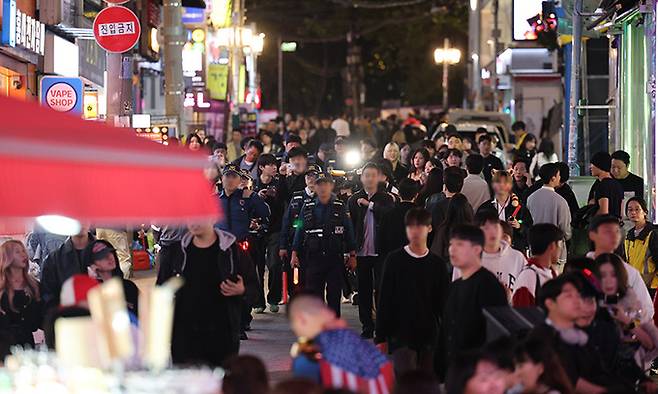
54, 163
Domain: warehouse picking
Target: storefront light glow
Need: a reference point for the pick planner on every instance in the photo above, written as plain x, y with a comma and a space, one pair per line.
474, 5
59, 224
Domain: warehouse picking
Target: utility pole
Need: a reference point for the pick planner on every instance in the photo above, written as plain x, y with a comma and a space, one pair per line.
119, 86
474, 50
444, 82
173, 62
280, 76
494, 73
574, 89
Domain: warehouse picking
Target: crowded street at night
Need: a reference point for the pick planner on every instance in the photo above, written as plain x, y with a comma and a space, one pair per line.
328, 196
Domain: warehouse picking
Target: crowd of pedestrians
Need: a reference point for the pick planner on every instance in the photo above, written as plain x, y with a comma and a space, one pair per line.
434, 236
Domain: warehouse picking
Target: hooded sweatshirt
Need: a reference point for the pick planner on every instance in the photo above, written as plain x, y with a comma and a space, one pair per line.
532, 277
506, 264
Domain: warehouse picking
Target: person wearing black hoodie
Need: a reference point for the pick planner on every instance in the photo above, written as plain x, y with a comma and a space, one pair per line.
218, 276
392, 234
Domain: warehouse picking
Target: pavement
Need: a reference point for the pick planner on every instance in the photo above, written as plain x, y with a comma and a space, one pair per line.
270, 337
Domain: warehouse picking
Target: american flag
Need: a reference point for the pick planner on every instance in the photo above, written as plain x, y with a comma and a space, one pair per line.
352, 363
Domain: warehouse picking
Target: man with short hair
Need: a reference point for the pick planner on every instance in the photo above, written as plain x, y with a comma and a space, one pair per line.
453, 182
605, 233
294, 170
498, 256
454, 141
546, 206
565, 190
272, 189
408, 321
607, 193
630, 182
561, 299
249, 160
491, 162
368, 208
464, 325
522, 179
545, 241
475, 188
519, 130
392, 235
454, 158
324, 235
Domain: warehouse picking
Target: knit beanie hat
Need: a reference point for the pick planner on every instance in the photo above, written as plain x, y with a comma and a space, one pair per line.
75, 289
602, 160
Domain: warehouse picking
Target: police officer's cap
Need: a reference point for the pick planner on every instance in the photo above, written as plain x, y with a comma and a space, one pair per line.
244, 174
313, 169
324, 178
231, 169
326, 147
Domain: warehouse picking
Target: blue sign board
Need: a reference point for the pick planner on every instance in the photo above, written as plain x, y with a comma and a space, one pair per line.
193, 16
62, 94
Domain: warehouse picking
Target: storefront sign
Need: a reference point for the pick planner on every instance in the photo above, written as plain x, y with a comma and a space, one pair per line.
91, 61
62, 94
193, 16
217, 81
21, 30
116, 29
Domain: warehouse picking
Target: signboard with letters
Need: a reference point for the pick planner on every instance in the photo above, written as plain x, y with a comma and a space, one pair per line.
217, 81
21, 30
116, 29
62, 94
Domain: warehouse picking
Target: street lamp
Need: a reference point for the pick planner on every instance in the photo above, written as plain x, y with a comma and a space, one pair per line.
446, 56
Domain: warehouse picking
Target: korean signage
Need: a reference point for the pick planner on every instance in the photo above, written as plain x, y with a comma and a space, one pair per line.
116, 29
62, 94
217, 81
21, 30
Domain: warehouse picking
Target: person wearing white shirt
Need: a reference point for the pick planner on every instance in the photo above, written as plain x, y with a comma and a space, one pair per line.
475, 188
605, 233
545, 154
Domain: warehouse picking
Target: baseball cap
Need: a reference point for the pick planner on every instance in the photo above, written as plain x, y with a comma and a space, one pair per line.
231, 169
100, 249
245, 174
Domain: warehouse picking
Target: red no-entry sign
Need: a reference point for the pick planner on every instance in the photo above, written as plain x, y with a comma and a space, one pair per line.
116, 29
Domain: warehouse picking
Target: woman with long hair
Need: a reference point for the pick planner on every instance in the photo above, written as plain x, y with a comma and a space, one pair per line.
417, 168
539, 369
527, 150
635, 325
459, 212
194, 142
430, 193
392, 154
21, 308
545, 154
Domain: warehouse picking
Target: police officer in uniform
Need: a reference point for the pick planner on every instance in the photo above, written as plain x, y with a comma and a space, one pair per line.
291, 219
320, 242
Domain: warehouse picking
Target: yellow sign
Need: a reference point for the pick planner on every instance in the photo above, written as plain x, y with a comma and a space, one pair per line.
90, 103
242, 84
220, 16
217, 81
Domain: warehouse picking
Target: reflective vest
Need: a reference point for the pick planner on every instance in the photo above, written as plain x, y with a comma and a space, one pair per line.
324, 238
639, 256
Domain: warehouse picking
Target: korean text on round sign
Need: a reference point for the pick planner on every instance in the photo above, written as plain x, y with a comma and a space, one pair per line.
116, 29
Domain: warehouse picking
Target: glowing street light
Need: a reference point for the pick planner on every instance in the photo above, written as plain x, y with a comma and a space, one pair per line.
446, 56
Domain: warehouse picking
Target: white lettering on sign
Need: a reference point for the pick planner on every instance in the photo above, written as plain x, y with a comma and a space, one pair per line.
61, 97
116, 28
28, 32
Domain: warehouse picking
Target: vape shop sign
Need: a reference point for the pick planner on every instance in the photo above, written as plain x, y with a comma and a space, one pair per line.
116, 29
62, 94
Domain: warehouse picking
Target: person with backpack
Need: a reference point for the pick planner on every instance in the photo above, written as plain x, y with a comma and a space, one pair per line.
641, 244
545, 241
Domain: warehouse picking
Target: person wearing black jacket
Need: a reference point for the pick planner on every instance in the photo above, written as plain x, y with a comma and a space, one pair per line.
367, 210
61, 264
510, 209
295, 171
272, 189
218, 276
411, 299
392, 234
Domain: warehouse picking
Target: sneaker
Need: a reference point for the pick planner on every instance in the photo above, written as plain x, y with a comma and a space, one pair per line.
243, 336
259, 310
355, 298
274, 308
